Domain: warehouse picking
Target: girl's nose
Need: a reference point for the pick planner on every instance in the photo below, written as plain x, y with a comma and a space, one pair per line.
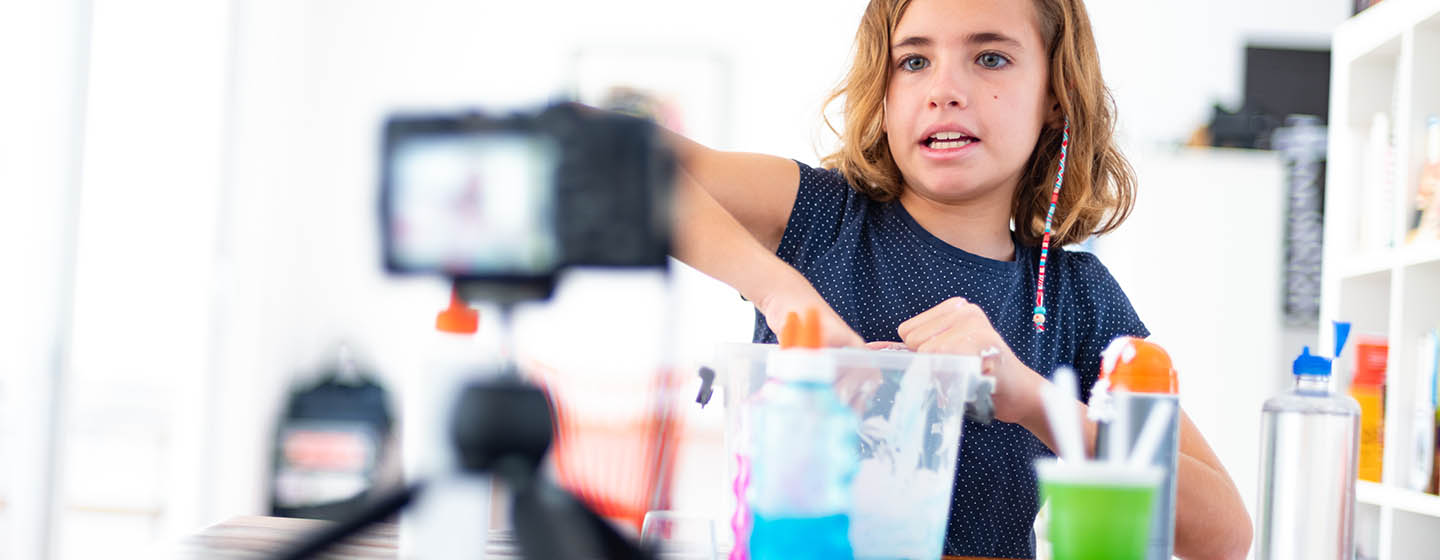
947, 91
956, 101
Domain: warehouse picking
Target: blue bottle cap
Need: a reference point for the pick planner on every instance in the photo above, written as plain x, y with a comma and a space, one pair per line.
1310, 364
1342, 332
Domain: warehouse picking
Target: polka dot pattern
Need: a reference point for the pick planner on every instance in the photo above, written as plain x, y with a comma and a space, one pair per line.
877, 267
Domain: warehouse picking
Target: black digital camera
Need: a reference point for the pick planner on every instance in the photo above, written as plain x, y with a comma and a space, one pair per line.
516, 199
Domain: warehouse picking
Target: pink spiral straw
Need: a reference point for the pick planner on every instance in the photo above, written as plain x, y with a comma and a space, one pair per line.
740, 522
1045, 242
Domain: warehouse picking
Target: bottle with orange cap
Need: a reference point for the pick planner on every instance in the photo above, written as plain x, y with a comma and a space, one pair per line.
805, 452
1136, 376
442, 523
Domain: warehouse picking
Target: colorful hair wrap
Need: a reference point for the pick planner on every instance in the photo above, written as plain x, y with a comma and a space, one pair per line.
1045, 241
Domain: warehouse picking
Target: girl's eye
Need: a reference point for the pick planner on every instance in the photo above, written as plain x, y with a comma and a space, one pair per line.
993, 60
914, 63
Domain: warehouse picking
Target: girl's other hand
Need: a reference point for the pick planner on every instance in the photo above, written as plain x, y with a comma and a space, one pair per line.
957, 326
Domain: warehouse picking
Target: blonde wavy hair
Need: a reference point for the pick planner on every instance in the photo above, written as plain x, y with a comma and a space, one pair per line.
1099, 190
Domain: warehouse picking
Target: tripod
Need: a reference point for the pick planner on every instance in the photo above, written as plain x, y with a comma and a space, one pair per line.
503, 427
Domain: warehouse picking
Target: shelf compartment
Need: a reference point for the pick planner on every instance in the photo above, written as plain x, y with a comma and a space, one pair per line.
1367, 86
1421, 288
1380, 261
1367, 530
1420, 95
1413, 534
1418, 255
1358, 265
1383, 495
1365, 302
1372, 83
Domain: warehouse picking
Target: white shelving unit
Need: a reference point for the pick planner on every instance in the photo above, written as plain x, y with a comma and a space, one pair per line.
1385, 60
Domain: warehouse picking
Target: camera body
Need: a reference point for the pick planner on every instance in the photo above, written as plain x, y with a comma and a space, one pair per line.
514, 200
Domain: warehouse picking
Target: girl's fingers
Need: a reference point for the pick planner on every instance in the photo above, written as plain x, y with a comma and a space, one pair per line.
963, 335
886, 345
923, 327
946, 344
934, 322
909, 325
943, 309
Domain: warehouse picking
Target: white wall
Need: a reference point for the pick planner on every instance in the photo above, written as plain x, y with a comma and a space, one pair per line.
1201, 260
42, 54
1169, 62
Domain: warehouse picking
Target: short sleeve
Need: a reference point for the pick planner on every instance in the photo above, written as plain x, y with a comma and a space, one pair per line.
1105, 314
822, 204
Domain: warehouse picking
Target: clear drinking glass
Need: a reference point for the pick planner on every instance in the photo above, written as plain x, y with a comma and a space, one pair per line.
680, 535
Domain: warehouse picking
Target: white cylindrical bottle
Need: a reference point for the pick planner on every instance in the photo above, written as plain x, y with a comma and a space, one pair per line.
1309, 456
451, 517
1422, 421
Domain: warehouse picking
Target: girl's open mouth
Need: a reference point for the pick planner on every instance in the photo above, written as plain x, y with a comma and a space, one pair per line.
948, 142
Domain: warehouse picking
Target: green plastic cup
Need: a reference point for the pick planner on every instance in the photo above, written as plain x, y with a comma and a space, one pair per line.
1098, 511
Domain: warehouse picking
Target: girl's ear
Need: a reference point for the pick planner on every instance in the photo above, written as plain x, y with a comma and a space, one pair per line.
1054, 118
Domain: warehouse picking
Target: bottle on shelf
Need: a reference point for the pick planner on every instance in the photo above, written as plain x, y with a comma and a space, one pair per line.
1309, 449
1368, 389
1422, 427
1425, 218
1378, 186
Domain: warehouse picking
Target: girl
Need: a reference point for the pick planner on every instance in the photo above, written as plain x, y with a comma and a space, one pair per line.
935, 227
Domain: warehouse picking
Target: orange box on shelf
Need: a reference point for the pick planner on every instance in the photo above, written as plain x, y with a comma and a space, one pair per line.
1368, 388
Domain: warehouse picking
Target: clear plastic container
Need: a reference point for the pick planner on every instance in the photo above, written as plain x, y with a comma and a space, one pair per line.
910, 409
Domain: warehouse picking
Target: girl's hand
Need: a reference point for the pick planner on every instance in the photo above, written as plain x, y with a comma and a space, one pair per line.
792, 292
957, 326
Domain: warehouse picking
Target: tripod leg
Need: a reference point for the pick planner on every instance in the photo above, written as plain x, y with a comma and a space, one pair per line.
317, 541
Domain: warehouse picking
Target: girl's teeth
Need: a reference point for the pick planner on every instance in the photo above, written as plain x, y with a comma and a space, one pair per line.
950, 145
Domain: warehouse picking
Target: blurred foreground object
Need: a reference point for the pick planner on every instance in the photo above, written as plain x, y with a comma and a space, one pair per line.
502, 206
330, 444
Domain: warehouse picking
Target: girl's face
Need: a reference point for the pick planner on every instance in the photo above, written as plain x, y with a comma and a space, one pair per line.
967, 97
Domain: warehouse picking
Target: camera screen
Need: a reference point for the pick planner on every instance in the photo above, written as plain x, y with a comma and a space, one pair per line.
478, 204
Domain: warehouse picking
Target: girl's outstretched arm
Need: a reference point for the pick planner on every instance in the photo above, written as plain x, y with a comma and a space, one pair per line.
1210, 518
757, 190
711, 240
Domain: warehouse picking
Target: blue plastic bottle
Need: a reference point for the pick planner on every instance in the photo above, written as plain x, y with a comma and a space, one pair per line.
805, 457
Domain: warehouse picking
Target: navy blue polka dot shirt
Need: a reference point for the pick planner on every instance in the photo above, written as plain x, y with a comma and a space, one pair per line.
877, 267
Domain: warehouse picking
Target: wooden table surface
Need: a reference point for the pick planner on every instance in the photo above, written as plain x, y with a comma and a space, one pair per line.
262, 537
